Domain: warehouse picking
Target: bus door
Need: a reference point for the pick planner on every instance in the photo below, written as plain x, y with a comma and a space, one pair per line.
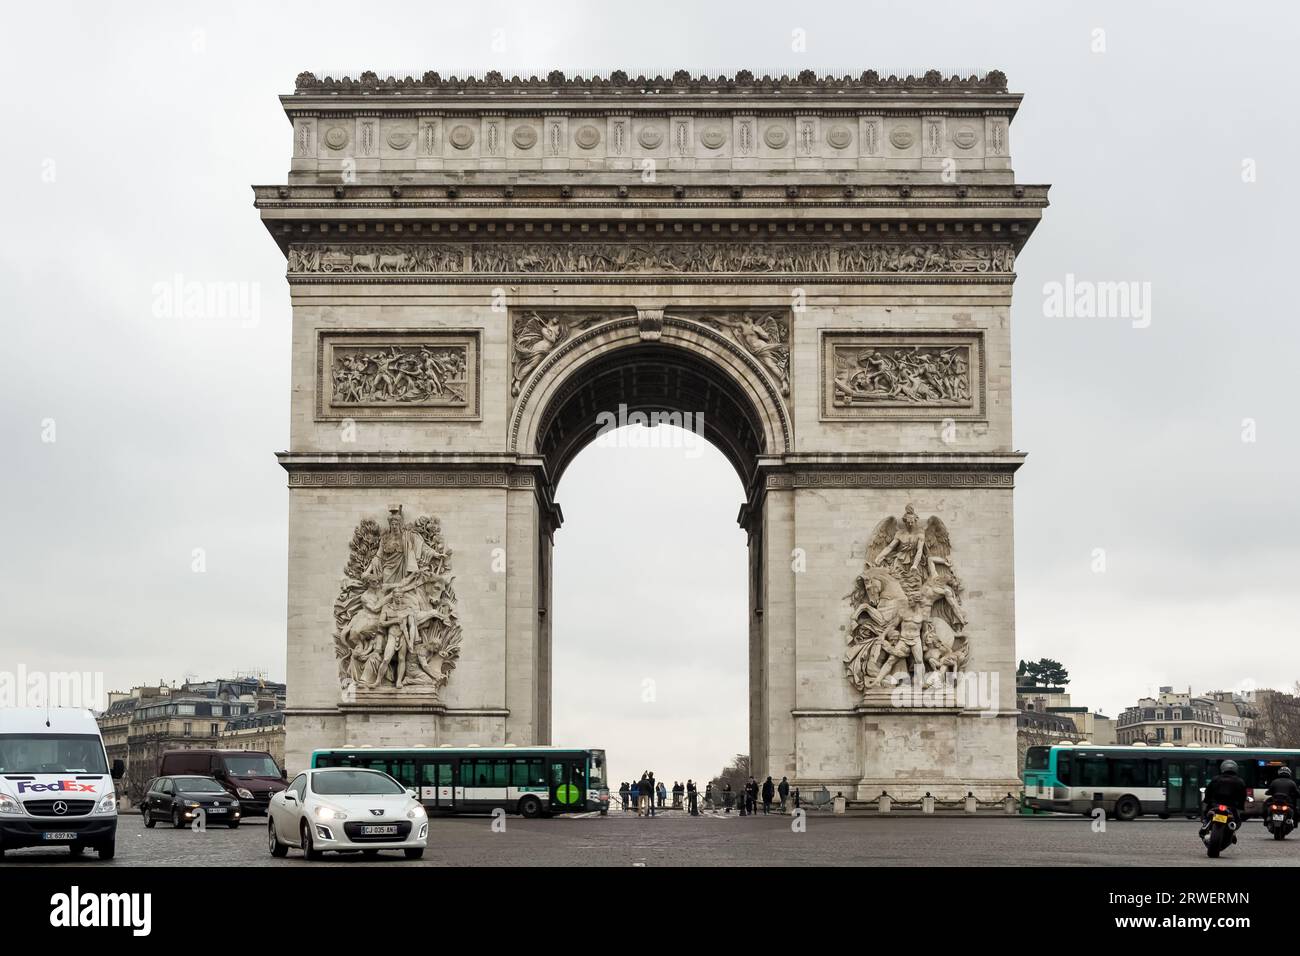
1183, 786
436, 790
567, 779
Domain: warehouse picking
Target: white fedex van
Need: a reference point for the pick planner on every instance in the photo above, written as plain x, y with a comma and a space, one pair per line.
56, 788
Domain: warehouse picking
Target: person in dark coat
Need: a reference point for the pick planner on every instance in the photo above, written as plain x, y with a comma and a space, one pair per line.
650, 779
769, 791
726, 797
692, 798
1284, 788
751, 795
624, 792
783, 791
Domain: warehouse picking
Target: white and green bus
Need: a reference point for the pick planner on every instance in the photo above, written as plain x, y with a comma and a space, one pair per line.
1127, 781
532, 781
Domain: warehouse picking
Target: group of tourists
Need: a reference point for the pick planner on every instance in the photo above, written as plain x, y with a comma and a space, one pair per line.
646, 795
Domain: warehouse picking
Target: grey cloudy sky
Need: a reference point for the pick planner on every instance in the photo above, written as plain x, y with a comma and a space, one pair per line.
135, 131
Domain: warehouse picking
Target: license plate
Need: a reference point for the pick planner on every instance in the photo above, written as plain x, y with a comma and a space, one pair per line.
379, 831
1220, 818
216, 809
1278, 818
59, 835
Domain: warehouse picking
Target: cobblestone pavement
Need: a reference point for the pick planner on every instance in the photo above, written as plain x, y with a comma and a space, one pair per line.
675, 839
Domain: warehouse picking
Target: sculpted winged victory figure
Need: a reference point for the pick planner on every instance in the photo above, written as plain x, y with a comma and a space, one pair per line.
906, 618
535, 337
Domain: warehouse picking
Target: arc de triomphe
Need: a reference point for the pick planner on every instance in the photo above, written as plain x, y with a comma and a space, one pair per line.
818, 267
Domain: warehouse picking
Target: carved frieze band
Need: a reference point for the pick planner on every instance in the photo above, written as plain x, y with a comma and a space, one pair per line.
969, 259
410, 479
902, 375
397, 375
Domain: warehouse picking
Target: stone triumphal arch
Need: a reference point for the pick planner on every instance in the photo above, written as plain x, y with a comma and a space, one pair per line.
819, 267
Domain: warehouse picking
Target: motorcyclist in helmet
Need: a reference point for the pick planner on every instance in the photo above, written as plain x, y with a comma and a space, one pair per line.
1285, 788
1227, 789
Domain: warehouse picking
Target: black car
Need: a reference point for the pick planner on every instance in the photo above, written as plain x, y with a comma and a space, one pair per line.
182, 800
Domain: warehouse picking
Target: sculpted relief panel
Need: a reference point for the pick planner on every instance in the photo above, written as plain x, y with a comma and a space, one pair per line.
907, 619
397, 374
652, 258
902, 375
395, 615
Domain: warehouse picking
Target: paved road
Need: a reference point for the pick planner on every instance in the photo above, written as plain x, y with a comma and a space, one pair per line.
674, 839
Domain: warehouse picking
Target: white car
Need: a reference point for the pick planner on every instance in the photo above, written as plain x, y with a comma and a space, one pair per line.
348, 810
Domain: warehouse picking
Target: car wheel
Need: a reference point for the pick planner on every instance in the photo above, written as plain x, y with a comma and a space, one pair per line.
76, 849
149, 821
176, 819
1127, 809
273, 841
107, 850
233, 825
309, 851
530, 807
413, 852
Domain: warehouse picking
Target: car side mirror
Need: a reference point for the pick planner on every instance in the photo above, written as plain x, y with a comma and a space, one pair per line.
119, 769
413, 792
290, 796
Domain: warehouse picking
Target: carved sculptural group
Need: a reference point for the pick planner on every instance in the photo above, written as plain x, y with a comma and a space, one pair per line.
395, 614
907, 618
903, 374
399, 375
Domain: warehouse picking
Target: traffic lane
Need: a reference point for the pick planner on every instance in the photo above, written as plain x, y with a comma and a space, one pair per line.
674, 839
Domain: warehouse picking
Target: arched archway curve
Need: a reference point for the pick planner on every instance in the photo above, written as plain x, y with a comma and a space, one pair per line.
684, 367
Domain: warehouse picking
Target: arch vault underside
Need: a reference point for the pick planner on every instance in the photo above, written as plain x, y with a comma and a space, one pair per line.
816, 271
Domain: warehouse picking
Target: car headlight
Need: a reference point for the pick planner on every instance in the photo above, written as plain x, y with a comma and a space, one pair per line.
235, 804
329, 813
416, 812
192, 804
9, 805
107, 804
244, 794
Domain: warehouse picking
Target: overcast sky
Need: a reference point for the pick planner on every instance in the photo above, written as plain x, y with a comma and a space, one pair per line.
134, 132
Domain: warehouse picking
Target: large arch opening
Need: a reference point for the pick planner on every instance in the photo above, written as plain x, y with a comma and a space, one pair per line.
653, 448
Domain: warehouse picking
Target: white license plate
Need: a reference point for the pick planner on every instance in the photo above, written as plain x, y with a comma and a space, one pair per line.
216, 809
59, 835
379, 831
1278, 818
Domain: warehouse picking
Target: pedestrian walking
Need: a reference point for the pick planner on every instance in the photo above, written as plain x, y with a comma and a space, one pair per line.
796, 798
663, 794
783, 793
692, 798
650, 803
624, 792
708, 796
769, 791
751, 795
726, 797
636, 796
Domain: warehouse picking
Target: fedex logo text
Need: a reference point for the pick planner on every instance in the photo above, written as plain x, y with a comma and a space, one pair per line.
67, 786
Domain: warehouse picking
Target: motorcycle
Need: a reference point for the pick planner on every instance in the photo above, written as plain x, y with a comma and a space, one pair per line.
1279, 817
1220, 830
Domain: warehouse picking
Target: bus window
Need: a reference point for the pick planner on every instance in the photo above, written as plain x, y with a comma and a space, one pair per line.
1036, 758
1064, 766
527, 773
404, 771
1094, 772
1128, 774
435, 774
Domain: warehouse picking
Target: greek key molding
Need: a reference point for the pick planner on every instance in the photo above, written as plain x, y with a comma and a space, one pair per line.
921, 478
410, 479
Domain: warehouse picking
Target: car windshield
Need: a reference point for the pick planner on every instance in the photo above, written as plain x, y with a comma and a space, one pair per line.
341, 782
198, 785
252, 766
51, 753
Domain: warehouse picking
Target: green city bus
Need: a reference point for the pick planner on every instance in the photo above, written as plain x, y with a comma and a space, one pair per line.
1126, 782
532, 781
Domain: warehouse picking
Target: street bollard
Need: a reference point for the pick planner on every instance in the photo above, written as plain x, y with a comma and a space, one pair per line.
840, 803
1010, 804
971, 803
885, 801
927, 803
